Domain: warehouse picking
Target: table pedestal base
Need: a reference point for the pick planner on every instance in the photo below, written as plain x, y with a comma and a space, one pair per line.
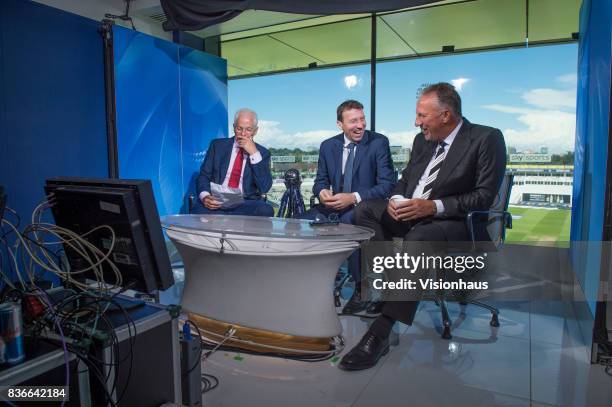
286, 292
259, 340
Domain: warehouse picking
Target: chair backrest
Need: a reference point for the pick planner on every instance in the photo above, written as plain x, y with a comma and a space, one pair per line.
498, 219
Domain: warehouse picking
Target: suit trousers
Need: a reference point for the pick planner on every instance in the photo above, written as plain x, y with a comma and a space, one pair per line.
250, 207
373, 214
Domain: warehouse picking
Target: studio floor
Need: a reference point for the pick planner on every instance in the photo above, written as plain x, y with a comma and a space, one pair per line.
535, 358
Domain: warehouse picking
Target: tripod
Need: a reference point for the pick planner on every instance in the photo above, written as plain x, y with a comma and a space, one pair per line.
292, 203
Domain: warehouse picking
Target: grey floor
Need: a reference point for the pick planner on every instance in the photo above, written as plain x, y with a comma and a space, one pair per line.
535, 358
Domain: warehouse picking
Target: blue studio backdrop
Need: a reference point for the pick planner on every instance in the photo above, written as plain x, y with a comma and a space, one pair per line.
171, 102
52, 113
592, 135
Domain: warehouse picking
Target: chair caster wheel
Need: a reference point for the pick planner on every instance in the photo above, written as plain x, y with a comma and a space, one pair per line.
494, 321
446, 333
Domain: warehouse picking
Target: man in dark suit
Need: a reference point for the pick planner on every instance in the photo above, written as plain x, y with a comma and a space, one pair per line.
237, 162
353, 166
455, 167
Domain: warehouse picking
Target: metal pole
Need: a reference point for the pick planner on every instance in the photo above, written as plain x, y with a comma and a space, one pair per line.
373, 74
106, 31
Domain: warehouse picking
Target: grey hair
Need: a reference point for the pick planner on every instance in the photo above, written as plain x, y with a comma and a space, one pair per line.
245, 110
447, 96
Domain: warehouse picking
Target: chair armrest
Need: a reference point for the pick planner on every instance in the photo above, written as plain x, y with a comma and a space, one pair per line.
313, 198
190, 202
506, 222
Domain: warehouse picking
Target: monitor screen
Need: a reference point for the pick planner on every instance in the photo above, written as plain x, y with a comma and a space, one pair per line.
128, 207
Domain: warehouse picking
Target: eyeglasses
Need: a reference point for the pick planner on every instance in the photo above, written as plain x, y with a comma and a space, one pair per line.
239, 129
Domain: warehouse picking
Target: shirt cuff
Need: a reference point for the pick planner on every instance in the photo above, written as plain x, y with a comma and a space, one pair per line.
397, 197
203, 195
439, 207
256, 157
357, 197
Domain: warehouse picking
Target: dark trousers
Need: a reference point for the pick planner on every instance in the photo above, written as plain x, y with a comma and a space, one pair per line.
250, 207
346, 216
373, 214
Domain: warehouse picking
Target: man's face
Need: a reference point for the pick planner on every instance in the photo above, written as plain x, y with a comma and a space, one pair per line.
245, 126
431, 118
353, 124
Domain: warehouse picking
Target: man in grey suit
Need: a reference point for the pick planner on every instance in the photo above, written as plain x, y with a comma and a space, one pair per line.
455, 167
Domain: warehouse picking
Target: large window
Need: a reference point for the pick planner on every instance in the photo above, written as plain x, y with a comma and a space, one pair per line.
296, 113
529, 93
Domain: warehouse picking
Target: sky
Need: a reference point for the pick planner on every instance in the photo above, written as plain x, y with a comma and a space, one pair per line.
528, 93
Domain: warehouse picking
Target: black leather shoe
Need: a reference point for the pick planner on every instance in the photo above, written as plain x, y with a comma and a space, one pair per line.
354, 304
366, 354
374, 308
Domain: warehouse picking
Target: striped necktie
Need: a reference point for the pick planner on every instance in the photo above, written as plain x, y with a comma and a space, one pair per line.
435, 169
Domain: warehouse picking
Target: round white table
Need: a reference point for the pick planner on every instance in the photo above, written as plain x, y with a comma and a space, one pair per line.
272, 274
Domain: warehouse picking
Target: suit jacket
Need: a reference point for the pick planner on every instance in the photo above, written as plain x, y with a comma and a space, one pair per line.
373, 174
256, 178
470, 176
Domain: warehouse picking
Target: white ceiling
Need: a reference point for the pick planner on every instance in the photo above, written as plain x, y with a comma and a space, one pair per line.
96, 9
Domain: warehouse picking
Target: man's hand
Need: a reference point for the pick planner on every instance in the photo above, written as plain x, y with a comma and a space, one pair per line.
247, 144
324, 196
416, 208
340, 201
211, 203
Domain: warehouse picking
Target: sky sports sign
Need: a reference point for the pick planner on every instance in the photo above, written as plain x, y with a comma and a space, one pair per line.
530, 158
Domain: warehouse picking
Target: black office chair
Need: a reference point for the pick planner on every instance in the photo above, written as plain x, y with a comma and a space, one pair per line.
499, 219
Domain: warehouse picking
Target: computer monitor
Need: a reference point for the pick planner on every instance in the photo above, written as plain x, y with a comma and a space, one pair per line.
128, 207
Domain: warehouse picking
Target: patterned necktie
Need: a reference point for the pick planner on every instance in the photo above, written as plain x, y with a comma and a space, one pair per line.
435, 169
234, 181
348, 169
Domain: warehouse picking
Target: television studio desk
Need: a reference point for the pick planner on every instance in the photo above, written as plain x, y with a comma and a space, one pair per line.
269, 278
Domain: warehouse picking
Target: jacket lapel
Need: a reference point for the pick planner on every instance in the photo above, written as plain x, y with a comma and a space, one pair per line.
455, 153
337, 147
419, 167
362, 149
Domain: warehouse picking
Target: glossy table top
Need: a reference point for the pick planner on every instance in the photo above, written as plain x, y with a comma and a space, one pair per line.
265, 227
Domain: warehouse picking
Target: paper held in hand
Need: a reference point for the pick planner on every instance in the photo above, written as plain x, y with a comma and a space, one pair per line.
228, 197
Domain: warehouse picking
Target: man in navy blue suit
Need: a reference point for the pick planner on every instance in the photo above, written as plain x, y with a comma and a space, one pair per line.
237, 162
353, 166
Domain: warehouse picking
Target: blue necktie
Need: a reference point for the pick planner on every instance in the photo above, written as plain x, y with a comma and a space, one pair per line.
348, 169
